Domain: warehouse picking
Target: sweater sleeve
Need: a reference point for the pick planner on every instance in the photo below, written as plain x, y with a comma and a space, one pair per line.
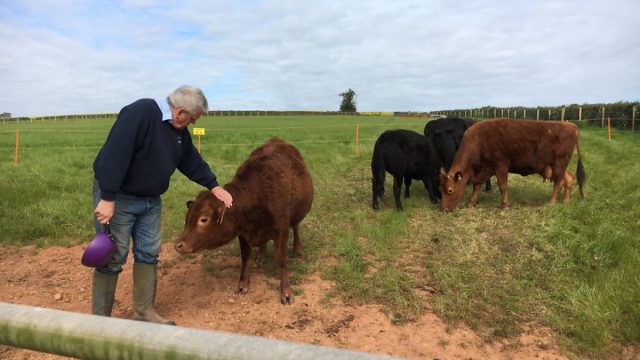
193, 166
117, 152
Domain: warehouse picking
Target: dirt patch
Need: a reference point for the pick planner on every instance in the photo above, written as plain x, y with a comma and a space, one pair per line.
54, 278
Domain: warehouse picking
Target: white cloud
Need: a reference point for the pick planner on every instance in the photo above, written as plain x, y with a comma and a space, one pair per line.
85, 57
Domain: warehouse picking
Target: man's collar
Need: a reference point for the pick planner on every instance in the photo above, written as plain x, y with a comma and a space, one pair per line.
164, 108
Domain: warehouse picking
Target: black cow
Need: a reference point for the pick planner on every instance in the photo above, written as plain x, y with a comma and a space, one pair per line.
406, 155
446, 135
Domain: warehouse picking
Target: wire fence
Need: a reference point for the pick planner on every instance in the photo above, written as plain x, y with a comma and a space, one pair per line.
622, 115
349, 135
218, 113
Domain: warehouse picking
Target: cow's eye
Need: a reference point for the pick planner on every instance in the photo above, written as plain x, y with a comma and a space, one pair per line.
204, 220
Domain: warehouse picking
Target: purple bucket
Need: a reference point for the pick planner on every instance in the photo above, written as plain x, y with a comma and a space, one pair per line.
100, 249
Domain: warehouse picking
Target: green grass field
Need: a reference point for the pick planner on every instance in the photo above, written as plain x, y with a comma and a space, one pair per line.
573, 268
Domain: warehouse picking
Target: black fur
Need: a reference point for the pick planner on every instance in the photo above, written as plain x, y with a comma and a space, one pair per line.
406, 155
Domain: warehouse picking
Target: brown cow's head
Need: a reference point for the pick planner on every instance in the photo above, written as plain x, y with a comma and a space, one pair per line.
451, 188
205, 226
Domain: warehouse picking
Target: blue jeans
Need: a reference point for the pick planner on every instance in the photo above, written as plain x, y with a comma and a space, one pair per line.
137, 218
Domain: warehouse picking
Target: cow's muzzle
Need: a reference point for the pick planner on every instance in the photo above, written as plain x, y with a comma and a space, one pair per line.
181, 247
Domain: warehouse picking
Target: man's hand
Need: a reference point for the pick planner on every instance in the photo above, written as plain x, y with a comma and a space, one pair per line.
222, 195
104, 211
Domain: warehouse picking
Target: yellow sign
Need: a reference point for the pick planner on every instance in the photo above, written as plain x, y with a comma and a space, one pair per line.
198, 131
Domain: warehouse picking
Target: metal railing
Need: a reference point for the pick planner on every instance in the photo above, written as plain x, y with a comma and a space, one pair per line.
87, 336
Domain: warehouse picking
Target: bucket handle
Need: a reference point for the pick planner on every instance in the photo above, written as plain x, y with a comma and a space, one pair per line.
107, 229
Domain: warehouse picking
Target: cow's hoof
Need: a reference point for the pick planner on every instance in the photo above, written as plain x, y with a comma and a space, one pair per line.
286, 300
243, 290
259, 262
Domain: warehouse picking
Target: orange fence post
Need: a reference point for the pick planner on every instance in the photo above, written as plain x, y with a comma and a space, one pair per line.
15, 160
609, 127
198, 131
357, 128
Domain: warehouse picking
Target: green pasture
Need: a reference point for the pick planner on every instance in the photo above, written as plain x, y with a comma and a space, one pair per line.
573, 268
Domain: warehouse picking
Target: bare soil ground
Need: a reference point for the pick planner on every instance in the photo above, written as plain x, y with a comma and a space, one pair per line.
54, 278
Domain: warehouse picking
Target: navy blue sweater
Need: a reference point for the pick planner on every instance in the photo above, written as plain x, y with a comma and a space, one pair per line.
142, 152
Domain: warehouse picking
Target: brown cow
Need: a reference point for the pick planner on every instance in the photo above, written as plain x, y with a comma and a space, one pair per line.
272, 191
504, 146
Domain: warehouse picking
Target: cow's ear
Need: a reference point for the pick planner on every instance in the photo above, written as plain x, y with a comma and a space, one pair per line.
189, 204
458, 176
221, 218
442, 172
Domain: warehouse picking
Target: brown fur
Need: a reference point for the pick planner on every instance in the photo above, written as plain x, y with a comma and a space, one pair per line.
502, 146
272, 191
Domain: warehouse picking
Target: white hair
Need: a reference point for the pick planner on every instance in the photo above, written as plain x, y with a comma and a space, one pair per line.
189, 98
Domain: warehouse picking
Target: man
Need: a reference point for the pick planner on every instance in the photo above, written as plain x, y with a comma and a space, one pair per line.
147, 143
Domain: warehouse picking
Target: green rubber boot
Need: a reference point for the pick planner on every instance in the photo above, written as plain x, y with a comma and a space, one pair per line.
103, 292
144, 294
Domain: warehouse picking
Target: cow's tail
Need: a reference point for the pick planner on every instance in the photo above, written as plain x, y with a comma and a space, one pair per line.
377, 170
582, 176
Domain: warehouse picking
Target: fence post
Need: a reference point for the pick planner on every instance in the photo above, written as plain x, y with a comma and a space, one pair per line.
357, 128
580, 114
602, 122
538, 114
562, 114
15, 160
633, 119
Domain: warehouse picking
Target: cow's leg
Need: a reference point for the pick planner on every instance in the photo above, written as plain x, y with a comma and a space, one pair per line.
297, 246
245, 253
397, 184
433, 196
407, 184
502, 177
286, 294
487, 186
262, 255
568, 185
473, 199
374, 193
558, 184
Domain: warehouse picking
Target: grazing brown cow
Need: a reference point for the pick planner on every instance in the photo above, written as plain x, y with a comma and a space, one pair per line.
502, 146
272, 191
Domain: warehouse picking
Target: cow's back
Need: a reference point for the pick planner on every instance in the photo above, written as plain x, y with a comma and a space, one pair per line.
406, 152
526, 146
276, 178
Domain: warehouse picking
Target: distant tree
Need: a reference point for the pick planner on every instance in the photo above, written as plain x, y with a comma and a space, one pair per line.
5, 115
348, 101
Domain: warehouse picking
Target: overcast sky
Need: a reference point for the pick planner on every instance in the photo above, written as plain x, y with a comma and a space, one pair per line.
71, 57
